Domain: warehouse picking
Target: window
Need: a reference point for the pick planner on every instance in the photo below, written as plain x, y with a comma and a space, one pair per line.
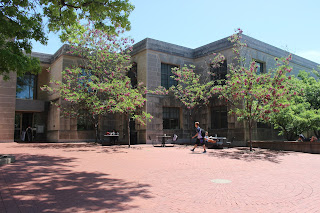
219, 117
263, 125
166, 80
219, 72
84, 122
132, 74
26, 87
260, 68
171, 118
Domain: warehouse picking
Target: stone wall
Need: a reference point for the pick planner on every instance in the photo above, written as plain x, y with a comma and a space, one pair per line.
309, 147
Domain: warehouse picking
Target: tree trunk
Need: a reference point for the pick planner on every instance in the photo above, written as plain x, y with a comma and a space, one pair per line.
128, 129
96, 128
190, 126
250, 135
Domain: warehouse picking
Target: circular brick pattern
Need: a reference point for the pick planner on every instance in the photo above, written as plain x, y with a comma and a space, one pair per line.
221, 181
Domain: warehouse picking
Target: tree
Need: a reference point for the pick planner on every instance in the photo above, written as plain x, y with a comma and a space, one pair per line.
302, 114
253, 96
311, 91
22, 20
99, 85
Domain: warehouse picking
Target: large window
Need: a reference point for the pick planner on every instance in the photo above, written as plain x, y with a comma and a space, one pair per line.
166, 72
26, 87
219, 72
219, 117
84, 122
171, 118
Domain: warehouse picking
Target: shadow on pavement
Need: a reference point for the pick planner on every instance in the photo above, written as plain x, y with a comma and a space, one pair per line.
80, 147
246, 155
38, 183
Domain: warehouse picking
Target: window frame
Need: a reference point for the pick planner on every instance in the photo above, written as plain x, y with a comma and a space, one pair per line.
222, 70
259, 68
171, 118
217, 123
169, 81
88, 125
34, 90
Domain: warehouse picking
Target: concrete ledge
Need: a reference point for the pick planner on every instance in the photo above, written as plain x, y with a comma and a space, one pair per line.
6, 159
308, 147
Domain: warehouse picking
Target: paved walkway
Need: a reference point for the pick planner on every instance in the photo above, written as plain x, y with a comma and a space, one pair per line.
90, 178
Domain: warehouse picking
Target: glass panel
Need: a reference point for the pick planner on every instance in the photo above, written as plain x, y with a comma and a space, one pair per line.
219, 117
263, 125
220, 72
166, 72
26, 87
17, 127
171, 118
260, 68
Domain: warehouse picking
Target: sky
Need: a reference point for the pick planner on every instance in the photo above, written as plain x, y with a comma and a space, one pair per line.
292, 25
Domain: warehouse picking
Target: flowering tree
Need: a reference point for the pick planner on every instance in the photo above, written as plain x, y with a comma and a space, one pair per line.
190, 90
98, 84
254, 96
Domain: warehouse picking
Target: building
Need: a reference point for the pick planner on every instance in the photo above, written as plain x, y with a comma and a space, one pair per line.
22, 103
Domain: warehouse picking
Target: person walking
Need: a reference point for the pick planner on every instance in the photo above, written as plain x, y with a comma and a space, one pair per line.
200, 139
29, 134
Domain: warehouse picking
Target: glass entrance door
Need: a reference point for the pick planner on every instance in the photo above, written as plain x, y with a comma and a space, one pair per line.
22, 122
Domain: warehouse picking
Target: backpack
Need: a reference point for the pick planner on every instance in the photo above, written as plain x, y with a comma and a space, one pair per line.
203, 132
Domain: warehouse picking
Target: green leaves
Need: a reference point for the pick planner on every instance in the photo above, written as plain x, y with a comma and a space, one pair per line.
22, 21
19, 23
303, 113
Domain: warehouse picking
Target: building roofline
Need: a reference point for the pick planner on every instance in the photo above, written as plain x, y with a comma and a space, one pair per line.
216, 46
277, 52
173, 49
50, 58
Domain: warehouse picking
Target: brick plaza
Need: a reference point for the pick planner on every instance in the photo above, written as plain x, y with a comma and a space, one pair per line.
90, 178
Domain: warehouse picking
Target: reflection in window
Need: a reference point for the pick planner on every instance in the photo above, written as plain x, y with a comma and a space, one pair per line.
26, 87
219, 72
166, 72
171, 118
219, 117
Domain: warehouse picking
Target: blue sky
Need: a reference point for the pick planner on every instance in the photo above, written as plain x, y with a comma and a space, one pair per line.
292, 25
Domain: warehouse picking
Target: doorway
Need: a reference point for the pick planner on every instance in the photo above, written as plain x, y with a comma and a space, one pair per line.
133, 132
22, 121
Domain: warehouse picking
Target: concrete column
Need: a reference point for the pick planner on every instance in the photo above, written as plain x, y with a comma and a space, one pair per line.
7, 108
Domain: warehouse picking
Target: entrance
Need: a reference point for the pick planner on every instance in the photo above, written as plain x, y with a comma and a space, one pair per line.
22, 122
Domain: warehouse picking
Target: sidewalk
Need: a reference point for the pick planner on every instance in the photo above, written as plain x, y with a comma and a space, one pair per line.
90, 178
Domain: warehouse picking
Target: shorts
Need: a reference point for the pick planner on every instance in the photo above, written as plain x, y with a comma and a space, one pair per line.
200, 142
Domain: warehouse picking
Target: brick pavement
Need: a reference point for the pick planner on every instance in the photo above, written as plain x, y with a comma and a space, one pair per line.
90, 178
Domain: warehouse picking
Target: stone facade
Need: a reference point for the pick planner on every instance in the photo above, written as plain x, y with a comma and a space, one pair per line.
153, 53
7, 107
148, 54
